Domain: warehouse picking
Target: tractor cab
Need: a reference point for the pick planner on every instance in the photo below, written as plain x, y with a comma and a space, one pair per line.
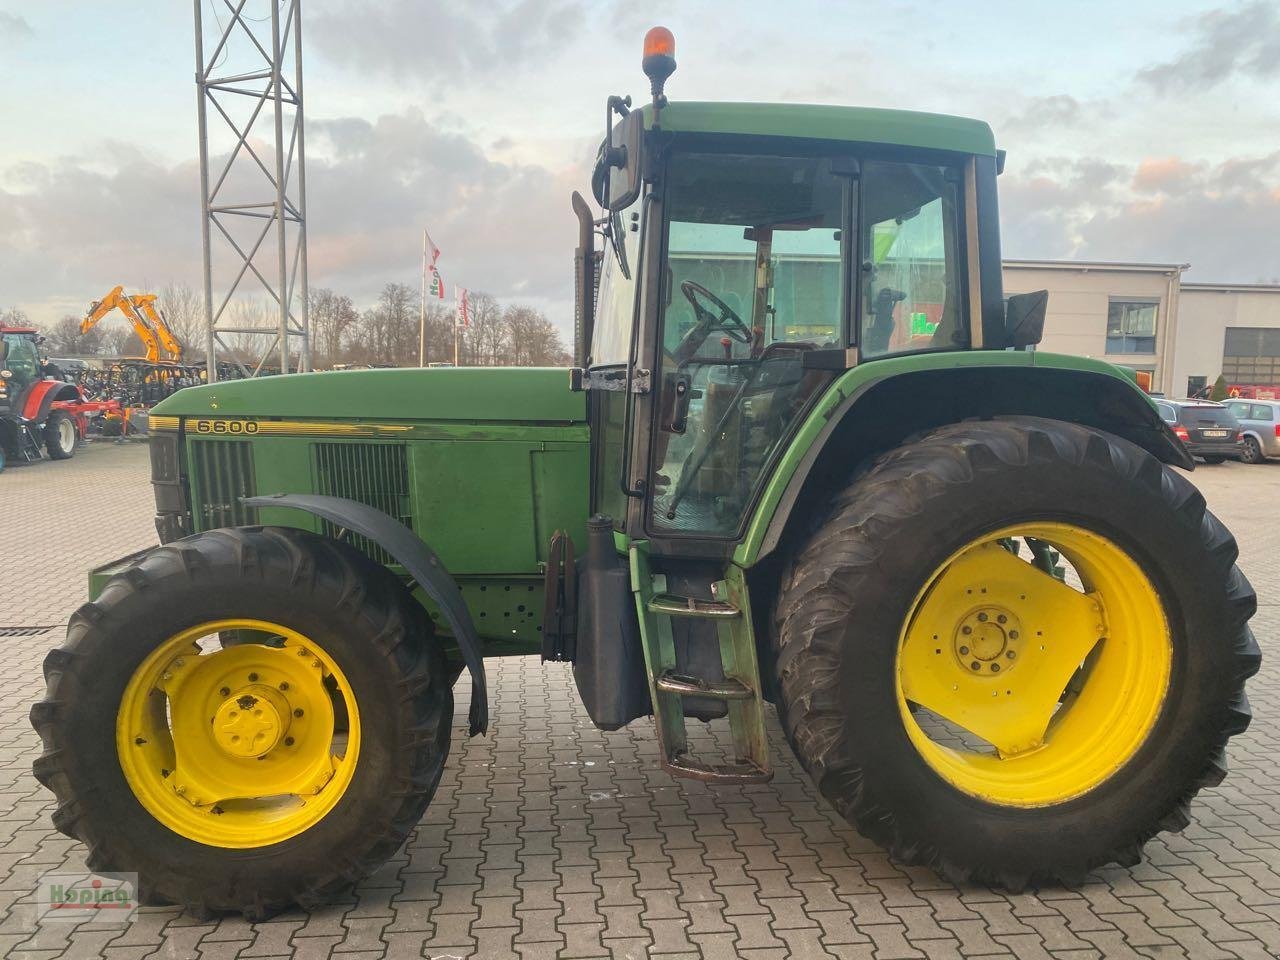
753, 253
20, 363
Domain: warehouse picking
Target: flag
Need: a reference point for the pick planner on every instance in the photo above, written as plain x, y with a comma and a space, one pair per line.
464, 306
430, 249
436, 289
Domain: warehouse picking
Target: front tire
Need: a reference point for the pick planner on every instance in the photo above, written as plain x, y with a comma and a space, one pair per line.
160, 741
60, 435
1120, 694
1252, 451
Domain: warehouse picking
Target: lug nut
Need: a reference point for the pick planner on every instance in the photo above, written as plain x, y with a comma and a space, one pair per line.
975, 665
966, 630
964, 651
995, 668
253, 678
1013, 634
225, 692
1011, 654
288, 741
297, 712
1001, 618
982, 618
284, 685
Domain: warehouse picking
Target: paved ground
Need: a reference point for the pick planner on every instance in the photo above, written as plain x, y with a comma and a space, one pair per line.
551, 838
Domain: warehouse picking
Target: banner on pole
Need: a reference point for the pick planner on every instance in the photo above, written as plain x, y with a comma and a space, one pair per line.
464, 306
436, 290
432, 250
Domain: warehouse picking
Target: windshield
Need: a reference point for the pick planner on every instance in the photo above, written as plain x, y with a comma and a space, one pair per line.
755, 254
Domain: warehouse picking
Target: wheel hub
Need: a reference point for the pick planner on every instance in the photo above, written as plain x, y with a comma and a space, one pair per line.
249, 723
988, 640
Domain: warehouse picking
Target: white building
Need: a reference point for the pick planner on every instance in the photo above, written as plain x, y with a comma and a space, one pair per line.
1143, 316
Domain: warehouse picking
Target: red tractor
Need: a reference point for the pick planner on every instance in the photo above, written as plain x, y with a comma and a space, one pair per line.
38, 409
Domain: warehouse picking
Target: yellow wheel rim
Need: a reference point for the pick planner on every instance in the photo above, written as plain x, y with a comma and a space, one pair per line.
236, 745
1025, 689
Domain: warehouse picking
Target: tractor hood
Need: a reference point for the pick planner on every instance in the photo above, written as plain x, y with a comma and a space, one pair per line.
501, 394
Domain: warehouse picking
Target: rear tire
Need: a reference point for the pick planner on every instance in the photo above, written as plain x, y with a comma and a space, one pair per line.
851, 587
1214, 461
1252, 451
352, 611
60, 435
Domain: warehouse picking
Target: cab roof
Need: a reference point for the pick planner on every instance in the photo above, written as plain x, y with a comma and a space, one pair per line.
932, 131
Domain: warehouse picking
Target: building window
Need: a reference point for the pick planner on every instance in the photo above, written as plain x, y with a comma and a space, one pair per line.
1251, 356
1131, 326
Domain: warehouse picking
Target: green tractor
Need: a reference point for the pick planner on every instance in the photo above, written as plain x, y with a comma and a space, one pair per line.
808, 458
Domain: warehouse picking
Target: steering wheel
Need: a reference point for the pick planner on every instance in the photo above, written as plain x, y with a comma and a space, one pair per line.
727, 320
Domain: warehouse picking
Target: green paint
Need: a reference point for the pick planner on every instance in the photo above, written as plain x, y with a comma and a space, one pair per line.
511, 394
905, 128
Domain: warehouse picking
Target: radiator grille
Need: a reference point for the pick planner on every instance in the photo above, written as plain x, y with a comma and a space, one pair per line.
224, 474
376, 474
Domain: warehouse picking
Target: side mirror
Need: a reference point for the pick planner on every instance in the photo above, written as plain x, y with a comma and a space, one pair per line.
1024, 315
618, 175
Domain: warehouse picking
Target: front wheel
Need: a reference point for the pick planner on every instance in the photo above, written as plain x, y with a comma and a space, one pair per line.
247, 719
1014, 650
1252, 450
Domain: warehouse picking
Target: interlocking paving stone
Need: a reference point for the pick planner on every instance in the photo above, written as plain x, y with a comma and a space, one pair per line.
551, 838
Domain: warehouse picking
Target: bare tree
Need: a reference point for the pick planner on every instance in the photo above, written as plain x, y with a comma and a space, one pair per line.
388, 332
332, 315
533, 340
183, 310
65, 338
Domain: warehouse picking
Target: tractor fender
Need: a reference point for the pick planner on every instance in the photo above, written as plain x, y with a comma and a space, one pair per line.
881, 412
41, 395
418, 559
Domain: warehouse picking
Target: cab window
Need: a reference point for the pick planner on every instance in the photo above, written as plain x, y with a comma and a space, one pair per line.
913, 292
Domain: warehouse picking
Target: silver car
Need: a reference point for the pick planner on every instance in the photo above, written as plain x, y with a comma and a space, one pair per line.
1259, 427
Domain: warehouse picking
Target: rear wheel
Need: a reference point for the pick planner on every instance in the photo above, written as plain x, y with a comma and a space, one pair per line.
247, 719
1014, 650
1253, 450
1214, 460
60, 435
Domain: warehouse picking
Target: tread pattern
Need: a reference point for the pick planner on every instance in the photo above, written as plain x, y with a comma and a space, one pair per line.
332, 573
827, 576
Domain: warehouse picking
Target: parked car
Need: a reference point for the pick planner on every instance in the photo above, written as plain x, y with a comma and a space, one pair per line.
1208, 430
1259, 427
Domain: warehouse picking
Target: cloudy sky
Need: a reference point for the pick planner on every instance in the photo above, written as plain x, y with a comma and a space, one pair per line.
1138, 130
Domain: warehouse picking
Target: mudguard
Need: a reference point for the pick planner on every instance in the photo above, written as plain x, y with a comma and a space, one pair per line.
41, 394
418, 559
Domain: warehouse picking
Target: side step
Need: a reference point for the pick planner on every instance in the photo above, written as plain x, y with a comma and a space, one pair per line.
667, 685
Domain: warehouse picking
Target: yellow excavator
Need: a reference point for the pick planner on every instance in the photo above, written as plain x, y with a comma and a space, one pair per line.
148, 323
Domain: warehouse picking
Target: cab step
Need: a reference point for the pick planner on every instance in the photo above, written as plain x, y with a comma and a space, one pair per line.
674, 606
686, 686
669, 685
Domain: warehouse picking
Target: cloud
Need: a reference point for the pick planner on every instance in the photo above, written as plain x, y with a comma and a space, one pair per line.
75, 228
1219, 217
448, 45
14, 27
1059, 110
1242, 40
